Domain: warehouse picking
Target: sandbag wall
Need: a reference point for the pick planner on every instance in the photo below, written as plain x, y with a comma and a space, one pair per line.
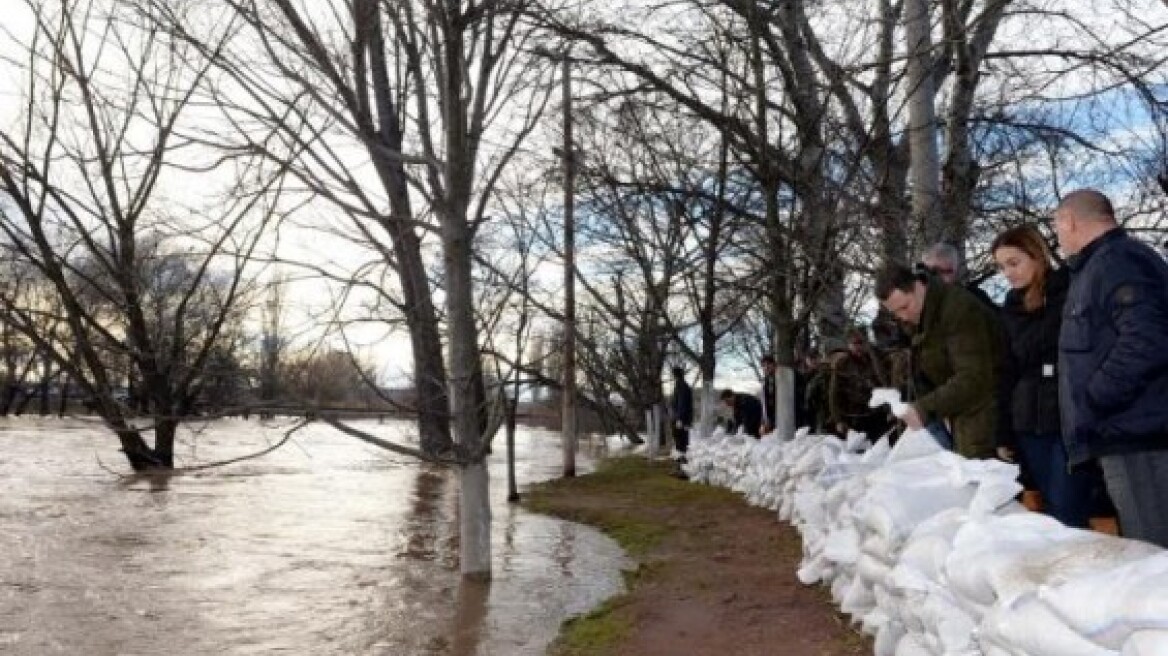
928, 551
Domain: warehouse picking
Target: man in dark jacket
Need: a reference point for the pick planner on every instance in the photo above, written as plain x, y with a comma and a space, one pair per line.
683, 411
855, 372
955, 351
1113, 361
747, 412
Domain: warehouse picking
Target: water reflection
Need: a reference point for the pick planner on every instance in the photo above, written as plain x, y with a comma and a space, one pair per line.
325, 547
470, 615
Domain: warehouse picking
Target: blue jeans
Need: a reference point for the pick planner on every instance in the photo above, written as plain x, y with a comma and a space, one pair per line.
1065, 496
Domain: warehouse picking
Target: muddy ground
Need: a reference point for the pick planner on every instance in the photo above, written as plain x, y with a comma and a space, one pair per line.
715, 576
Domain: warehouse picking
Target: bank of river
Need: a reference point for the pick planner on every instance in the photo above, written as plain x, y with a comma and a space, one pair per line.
714, 576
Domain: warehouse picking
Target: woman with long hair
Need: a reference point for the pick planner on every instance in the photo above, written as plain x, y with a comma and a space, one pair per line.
1029, 429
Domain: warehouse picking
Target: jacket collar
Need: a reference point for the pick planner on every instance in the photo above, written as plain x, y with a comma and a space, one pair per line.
933, 293
1077, 261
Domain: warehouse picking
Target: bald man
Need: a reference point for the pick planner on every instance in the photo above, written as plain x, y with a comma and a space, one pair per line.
1113, 361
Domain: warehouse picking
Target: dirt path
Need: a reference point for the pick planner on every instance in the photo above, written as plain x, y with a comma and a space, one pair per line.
716, 576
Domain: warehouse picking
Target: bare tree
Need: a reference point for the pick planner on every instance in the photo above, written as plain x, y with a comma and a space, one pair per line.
418, 88
139, 289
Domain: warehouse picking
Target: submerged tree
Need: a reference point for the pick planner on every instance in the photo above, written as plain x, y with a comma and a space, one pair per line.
147, 294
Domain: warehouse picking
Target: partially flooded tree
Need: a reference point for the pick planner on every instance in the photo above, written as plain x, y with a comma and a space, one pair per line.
144, 285
402, 102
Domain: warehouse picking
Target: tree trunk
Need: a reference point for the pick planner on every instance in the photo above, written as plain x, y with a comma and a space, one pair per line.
474, 522
709, 405
137, 452
922, 122
165, 431
568, 412
512, 410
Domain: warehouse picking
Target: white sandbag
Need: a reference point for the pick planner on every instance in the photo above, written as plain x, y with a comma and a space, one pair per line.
914, 444
892, 512
1146, 643
987, 552
888, 635
842, 545
839, 587
1109, 604
913, 644
1029, 626
951, 627
873, 570
858, 600
856, 442
889, 396
1005, 557
929, 544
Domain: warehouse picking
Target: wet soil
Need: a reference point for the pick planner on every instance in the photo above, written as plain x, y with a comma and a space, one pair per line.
714, 577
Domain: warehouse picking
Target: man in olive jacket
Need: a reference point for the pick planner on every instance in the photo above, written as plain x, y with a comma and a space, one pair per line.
955, 351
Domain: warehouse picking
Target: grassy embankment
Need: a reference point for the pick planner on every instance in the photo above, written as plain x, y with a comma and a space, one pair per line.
673, 529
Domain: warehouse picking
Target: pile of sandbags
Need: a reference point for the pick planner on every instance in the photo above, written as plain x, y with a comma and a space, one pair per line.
929, 552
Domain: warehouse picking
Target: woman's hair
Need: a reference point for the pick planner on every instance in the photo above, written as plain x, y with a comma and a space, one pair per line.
1028, 239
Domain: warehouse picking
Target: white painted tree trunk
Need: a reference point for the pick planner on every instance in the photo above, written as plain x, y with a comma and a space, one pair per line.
785, 402
708, 409
474, 522
922, 121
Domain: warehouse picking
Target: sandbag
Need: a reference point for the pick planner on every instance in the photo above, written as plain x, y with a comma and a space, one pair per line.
1110, 604
1029, 626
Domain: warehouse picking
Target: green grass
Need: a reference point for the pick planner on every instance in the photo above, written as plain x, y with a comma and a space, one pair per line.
638, 504
631, 500
595, 633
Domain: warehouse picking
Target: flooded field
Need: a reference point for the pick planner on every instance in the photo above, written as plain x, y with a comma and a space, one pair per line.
326, 546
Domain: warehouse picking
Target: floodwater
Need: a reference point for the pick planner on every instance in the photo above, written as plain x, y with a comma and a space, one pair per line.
325, 546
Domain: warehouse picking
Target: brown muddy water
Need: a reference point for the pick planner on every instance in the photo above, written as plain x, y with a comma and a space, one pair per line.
326, 546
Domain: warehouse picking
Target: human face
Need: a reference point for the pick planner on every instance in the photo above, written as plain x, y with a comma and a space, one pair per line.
906, 306
1066, 228
944, 269
1017, 266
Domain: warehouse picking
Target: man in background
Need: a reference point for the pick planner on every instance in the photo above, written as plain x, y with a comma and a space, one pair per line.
945, 261
855, 372
745, 411
683, 411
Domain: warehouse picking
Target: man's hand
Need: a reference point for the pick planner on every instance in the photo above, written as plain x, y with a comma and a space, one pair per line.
1006, 453
912, 418
678, 425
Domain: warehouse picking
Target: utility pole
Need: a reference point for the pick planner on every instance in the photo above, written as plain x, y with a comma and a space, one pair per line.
568, 418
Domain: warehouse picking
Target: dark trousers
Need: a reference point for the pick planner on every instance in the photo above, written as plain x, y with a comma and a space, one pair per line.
1065, 496
681, 439
1138, 484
